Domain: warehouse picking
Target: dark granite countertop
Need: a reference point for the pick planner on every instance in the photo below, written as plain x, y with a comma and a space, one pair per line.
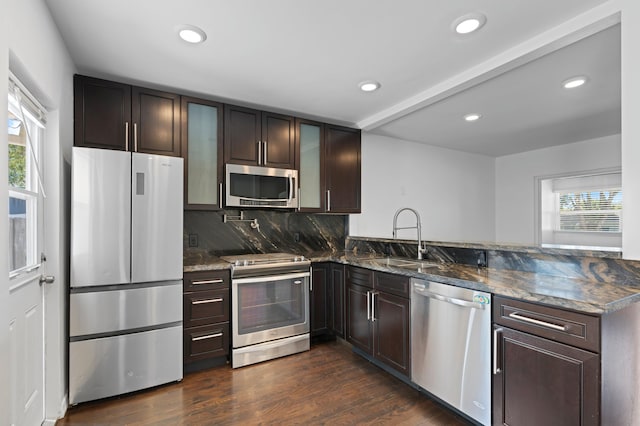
195, 261
550, 249
586, 296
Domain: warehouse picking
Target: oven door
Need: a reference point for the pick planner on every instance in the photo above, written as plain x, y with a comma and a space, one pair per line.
269, 307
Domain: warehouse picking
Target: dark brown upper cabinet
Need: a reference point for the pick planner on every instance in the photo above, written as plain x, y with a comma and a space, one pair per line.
117, 116
342, 168
156, 122
202, 153
102, 113
259, 138
329, 167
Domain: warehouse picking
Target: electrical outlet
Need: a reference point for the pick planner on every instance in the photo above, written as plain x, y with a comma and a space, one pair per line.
193, 240
296, 237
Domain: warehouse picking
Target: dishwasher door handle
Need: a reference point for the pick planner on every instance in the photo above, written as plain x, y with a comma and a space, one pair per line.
452, 300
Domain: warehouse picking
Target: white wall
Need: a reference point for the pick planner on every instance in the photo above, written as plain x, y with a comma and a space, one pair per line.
40, 59
631, 130
453, 191
4, 225
515, 176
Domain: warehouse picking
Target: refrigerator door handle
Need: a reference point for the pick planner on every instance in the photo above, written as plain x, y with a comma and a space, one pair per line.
139, 183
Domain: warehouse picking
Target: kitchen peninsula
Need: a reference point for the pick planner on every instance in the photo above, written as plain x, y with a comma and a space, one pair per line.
594, 298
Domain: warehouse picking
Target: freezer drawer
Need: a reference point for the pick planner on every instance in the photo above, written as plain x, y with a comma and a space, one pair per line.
118, 310
99, 368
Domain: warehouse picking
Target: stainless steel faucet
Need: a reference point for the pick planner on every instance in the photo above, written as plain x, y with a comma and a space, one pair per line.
418, 227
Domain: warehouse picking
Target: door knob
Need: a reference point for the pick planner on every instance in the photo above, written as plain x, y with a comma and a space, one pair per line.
47, 279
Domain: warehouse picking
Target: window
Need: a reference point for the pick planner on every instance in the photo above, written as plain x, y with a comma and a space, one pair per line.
582, 210
591, 211
25, 127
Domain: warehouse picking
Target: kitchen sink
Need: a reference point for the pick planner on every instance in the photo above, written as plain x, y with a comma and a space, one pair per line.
405, 263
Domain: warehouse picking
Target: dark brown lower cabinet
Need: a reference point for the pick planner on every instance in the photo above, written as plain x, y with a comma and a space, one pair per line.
547, 365
359, 325
377, 320
335, 302
326, 299
542, 382
207, 341
318, 297
206, 306
391, 331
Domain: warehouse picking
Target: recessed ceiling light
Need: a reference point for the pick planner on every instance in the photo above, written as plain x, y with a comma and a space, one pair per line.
469, 23
369, 86
192, 34
573, 82
472, 117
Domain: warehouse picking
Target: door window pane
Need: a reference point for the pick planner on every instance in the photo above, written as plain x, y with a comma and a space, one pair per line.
24, 133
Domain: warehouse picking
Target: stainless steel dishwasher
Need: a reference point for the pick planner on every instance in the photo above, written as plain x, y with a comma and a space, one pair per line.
451, 346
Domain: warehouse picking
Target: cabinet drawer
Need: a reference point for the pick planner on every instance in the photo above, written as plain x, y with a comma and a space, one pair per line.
391, 283
360, 276
204, 342
572, 328
206, 280
206, 307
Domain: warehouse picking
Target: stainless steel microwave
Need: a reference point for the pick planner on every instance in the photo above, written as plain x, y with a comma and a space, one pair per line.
253, 186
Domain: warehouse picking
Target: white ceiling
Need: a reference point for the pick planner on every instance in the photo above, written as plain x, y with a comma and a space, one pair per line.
307, 58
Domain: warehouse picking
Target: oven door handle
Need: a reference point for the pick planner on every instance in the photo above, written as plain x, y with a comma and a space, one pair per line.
266, 278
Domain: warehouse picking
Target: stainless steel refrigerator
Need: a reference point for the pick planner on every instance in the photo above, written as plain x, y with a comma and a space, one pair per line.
125, 301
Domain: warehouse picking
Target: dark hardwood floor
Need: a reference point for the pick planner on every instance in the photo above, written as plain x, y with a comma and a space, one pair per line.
326, 385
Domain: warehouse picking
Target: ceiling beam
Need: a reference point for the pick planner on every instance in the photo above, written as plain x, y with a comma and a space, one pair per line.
577, 28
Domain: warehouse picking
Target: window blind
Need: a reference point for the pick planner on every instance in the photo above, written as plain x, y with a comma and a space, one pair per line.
594, 182
591, 210
29, 103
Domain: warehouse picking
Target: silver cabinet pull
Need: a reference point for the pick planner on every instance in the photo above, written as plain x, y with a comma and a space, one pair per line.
496, 337
373, 306
202, 282
203, 301
299, 198
135, 137
259, 152
368, 305
265, 153
516, 315
208, 336
126, 136
220, 199
328, 200
297, 282
311, 278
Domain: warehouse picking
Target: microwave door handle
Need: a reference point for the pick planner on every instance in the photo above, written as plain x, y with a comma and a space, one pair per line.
290, 188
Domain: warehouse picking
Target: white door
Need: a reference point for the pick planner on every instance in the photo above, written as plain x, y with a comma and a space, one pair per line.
26, 230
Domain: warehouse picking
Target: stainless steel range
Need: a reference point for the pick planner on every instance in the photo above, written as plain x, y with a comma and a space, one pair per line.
270, 306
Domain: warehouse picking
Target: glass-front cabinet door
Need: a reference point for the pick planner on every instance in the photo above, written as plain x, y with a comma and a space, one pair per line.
311, 141
202, 152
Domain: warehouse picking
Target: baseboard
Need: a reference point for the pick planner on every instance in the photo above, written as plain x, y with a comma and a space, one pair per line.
62, 411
